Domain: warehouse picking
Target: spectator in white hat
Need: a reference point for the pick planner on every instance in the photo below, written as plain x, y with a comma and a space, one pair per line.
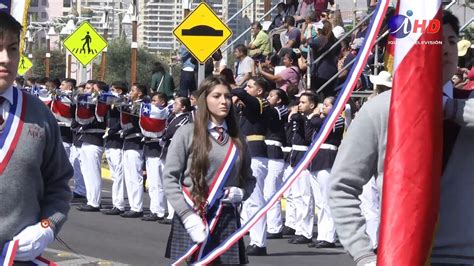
338, 32
382, 82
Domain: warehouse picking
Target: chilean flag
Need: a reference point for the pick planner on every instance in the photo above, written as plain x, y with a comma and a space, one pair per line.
413, 161
153, 120
45, 96
125, 120
61, 109
103, 105
85, 111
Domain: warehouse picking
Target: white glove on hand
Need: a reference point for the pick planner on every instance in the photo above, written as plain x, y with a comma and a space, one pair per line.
195, 228
33, 240
233, 195
368, 261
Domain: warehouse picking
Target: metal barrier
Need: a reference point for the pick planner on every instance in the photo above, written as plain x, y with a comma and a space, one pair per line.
467, 24
347, 66
247, 30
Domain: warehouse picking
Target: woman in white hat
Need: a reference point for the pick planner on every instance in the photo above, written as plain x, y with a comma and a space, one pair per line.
382, 82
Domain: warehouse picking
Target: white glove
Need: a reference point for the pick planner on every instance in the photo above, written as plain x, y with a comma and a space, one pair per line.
33, 240
233, 195
368, 261
196, 228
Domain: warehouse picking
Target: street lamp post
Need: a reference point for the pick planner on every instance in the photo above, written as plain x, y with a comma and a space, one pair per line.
65, 31
48, 55
29, 39
133, 74
51, 32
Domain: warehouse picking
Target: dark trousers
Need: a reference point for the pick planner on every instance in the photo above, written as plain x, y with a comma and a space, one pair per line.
187, 83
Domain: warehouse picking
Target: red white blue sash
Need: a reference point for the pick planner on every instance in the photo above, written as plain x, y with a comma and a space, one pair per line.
318, 140
216, 190
12, 128
9, 251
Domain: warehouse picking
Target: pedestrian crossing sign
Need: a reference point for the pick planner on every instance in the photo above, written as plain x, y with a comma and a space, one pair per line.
85, 43
24, 65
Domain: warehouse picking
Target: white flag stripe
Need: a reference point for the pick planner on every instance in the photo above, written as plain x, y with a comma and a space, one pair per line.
422, 10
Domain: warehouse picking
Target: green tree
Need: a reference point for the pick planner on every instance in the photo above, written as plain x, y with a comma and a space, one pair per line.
57, 63
119, 63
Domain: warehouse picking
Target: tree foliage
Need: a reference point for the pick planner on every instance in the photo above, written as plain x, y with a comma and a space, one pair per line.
57, 63
119, 63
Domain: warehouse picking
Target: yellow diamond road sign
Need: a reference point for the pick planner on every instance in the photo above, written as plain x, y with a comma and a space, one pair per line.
85, 43
24, 65
202, 32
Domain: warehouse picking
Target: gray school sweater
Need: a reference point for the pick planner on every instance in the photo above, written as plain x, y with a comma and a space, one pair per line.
34, 185
361, 156
178, 165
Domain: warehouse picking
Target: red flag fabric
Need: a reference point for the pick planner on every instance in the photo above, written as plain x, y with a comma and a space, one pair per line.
412, 170
85, 110
61, 109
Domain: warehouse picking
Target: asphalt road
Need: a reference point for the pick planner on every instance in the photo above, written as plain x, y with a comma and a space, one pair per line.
97, 239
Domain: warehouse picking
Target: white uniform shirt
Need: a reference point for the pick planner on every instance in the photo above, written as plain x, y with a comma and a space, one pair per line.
5, 106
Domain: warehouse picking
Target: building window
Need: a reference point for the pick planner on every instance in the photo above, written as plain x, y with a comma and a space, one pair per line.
33, 16
34, 3
66, 3
44, 15
44, 2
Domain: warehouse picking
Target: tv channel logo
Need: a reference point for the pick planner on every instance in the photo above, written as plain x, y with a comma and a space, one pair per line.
401, 26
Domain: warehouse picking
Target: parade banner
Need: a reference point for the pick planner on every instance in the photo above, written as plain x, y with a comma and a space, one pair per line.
413, 160
344, 95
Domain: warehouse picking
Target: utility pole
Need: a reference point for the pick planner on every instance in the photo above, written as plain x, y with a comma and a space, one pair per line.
103, 61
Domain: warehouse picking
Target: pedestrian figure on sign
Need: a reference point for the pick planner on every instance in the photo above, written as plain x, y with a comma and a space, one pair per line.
22, 63
87, 40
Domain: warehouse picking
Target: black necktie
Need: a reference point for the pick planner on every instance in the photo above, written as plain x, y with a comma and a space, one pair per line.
1, 111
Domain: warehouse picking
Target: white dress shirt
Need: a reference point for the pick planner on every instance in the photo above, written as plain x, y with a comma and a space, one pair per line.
211, 127
5, 106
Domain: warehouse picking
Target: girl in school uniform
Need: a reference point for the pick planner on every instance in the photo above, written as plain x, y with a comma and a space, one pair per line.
193, 171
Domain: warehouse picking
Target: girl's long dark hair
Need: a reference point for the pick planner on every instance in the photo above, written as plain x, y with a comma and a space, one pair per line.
201, 139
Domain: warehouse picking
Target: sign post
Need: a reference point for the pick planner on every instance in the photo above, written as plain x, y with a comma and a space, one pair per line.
202, 33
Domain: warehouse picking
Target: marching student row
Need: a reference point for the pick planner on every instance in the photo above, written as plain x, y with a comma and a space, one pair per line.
278, 131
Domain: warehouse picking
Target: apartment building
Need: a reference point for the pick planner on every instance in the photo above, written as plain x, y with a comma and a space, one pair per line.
106, 15
160, 17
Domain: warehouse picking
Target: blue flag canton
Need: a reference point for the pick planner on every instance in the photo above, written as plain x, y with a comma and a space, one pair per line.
5, 6
146, 109
83, 100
